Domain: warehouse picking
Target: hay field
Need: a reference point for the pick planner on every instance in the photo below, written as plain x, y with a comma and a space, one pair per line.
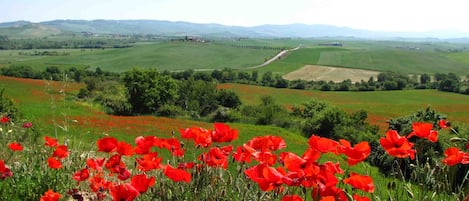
326, 73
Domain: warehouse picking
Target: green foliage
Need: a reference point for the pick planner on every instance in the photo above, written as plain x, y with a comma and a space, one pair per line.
148, 90
7, 106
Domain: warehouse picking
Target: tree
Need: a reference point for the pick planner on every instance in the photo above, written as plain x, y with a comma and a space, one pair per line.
228, 99
148, 90
424, 78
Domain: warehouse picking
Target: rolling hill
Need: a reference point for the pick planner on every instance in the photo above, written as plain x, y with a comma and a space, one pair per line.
187, 28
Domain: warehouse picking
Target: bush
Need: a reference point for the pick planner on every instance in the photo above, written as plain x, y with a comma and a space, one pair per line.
168, 110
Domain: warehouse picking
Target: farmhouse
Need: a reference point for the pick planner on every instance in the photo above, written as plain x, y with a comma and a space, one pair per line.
331, 44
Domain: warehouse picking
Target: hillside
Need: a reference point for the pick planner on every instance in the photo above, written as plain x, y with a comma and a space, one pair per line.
217, 30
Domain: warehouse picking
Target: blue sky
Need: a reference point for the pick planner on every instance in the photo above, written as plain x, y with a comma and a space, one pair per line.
380, 15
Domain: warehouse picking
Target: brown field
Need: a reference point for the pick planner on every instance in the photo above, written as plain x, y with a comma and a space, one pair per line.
326, 73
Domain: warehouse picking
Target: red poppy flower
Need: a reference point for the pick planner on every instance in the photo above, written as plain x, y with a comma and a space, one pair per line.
223, 133
202, 137
123, 173
424, 130
114, 164
186, 165
355, 154
397, 146
328, 198
81, 175
217, 157
268, 178
61, 151
125, 149
322, 144
241, 155
149, 161
177, 175
443, 123
4, 171
27, 125
107, 144
357, 197
4, 119
95, 164
454, 156
292, 198
364, 183
50, 142
291, 161
311, 155
144, 144
14, 146
141, 183
50, 195
98, 183
171, 144
267, 143
54, 163
123, 192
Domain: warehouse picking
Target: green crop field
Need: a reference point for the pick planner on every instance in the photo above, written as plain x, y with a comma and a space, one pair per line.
380, 105
163, 56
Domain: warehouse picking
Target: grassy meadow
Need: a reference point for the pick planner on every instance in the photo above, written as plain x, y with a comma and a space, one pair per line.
160, 55
380, 105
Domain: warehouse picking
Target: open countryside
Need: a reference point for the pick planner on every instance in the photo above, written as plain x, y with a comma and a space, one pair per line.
189, 114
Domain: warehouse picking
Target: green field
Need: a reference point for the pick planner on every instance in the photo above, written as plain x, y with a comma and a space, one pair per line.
380, 105
163, 56
239, 54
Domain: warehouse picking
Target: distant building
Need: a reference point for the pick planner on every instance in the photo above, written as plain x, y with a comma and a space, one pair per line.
338, 44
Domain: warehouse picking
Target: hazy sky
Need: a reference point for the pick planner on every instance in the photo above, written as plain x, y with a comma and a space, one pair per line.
382, 15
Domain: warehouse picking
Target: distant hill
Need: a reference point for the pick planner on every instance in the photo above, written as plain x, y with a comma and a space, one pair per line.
218, 30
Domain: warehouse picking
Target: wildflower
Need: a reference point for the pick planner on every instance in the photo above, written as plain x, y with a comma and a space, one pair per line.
424, 130
4, 171
123, 192
54, 163
454, 156
443, 123
268, 178
141, 183
397, 146
292, 198
170, 144
4, 120
125, 149
202, 137
217, 157
14, 146
267, 143
322, 144
114, 164
50, 142
61, 151
107, 144
144, 144
177, 175
357, 197
354, 154
364, 183
27, 125
149, 161
95, 164
81, 175
50, 195
223, 133
291, 161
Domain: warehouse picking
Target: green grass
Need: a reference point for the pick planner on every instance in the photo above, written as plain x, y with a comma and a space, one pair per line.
407, 62
163, 56
380, 105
